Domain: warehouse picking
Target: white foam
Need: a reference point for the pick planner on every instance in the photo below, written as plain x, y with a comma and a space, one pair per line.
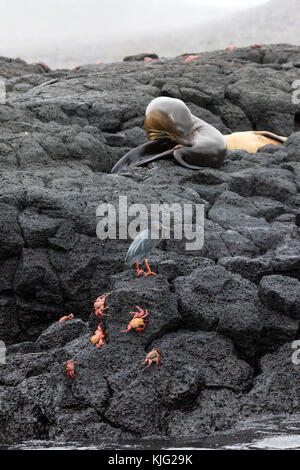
280, 442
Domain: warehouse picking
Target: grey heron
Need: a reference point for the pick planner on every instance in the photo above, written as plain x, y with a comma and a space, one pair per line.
142, 246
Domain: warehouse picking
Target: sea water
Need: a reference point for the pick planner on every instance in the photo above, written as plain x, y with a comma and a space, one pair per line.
267, 435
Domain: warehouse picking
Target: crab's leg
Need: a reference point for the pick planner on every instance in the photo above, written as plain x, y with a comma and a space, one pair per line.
99, 311
125, 331
140, 329
134, 313
145, 315
148, 365
140, 310
140, 313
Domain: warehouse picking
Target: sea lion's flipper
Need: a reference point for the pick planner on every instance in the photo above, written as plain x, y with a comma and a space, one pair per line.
185, 157
209, 150
252, 141
182, 162
270, 135
145, 153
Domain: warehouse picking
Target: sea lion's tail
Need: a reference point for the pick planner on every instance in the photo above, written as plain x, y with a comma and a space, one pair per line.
270, 135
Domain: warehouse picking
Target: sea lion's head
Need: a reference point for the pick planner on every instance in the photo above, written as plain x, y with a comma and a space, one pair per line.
169, 118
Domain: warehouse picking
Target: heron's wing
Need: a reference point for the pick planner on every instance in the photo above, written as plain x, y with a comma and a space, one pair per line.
141, 246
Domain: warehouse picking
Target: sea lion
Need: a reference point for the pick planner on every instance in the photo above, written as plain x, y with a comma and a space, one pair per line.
173, 130
251, 141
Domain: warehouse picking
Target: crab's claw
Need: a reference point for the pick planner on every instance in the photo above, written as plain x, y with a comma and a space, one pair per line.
125, 331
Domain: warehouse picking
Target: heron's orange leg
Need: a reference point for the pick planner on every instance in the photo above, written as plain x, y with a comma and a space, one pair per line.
138, 270
149, 270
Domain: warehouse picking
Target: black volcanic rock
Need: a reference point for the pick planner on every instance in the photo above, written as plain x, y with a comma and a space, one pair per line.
223, 316
215, 299
58, 334
276, 388
282, 294
140, 57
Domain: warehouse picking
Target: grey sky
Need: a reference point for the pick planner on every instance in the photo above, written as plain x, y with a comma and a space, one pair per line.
35, 21
70, 32
235, 4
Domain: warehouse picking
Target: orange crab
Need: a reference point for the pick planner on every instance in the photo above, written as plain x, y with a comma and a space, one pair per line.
138, 322
192, 57
99, 338
43, 65
66, 318
152, 357
70, 369
99, 306
231, 48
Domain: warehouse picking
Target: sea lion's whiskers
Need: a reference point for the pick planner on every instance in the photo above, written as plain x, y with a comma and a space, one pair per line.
154, 134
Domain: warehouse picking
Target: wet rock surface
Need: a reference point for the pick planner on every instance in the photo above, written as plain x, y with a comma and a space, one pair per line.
224, 316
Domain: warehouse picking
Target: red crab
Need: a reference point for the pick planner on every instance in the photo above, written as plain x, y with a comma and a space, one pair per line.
255, 46
70, 369
43, 65
138, 322
152, 357
99, 338
66, 318
99, 306
231, 48
190, 58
